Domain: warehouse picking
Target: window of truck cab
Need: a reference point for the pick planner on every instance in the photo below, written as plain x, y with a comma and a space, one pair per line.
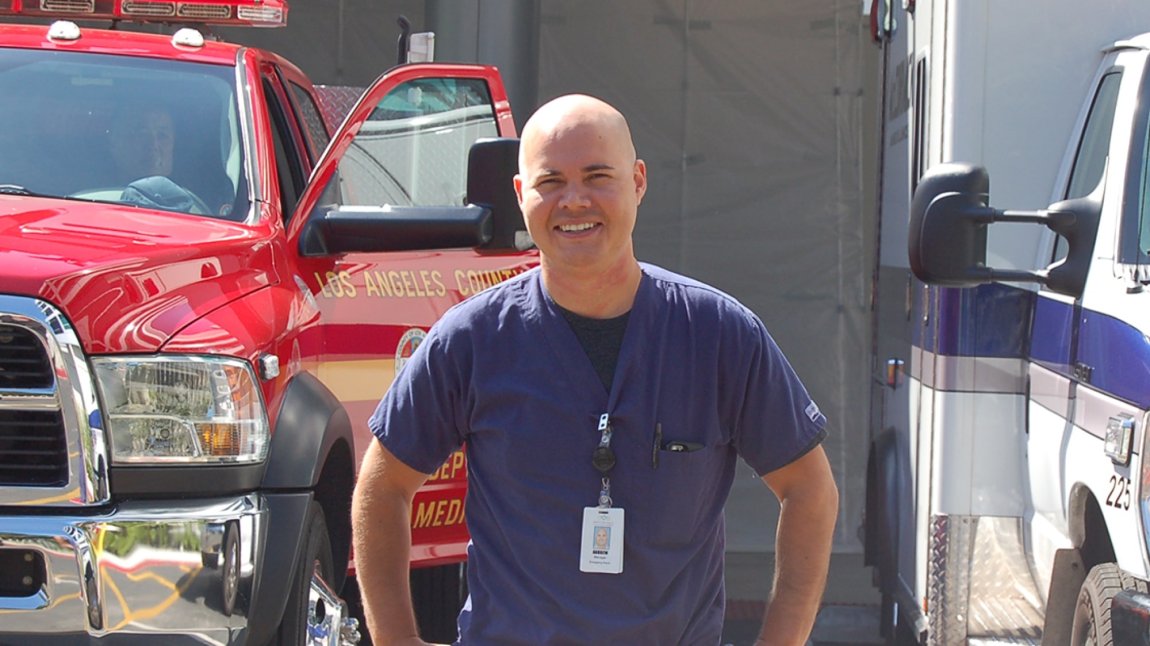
143, 132
413, 148
1134, 242
309, 114
1093, 149
288, 143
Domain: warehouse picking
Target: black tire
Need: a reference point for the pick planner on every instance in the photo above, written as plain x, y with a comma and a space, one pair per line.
887, 622
438, 594
892, 624
317, 551
230, 568
1091, 625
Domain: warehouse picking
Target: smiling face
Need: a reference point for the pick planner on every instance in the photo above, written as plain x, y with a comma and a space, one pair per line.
579, 186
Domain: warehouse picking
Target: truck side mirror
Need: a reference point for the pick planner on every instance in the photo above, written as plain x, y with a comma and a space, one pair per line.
948, 232
371, 229
490, 220
491, 167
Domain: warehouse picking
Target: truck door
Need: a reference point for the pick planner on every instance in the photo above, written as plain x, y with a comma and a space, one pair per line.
404, 145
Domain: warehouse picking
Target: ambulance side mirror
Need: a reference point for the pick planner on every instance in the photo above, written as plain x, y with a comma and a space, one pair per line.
948, 220
491, 168
1077, 221
948, 232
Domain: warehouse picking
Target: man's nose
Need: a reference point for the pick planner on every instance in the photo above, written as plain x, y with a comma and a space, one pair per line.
574, 196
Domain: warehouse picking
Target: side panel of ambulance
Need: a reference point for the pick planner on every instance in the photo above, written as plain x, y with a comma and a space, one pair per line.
991, 473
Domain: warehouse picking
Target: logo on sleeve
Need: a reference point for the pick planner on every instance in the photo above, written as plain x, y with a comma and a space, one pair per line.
812, 411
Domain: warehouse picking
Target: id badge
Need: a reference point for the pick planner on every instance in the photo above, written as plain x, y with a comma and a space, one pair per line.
602, 545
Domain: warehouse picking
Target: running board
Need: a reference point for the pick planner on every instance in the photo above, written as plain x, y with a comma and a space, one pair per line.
980, 589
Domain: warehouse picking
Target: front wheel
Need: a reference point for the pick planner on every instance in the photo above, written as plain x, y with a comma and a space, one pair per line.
293, 630
892, 624
438, 594
1092, 612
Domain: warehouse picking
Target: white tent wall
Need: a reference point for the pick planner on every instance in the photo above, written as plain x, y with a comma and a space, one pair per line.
753, 121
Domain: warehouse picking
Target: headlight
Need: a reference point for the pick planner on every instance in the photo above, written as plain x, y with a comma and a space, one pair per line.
181, 409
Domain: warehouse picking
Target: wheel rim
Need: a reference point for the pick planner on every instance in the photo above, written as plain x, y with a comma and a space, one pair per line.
1082, 632
326, 612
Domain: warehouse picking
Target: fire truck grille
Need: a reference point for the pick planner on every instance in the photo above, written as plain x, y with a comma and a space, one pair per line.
205, 11
154, 9
51, 440
32, 442
32, 448
68, 6
23, 361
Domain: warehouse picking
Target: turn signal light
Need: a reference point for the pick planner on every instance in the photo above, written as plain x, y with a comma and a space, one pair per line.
220, 440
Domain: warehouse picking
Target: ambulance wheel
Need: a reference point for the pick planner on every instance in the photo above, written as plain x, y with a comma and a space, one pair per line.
1091, 625
438, 594
316, 554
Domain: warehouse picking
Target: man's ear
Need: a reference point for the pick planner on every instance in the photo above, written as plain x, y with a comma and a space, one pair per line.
640, 180
518, 182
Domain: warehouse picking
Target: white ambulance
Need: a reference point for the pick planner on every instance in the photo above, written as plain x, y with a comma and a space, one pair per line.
1007, 496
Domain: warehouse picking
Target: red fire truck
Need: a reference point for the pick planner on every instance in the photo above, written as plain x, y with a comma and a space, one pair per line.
205, 288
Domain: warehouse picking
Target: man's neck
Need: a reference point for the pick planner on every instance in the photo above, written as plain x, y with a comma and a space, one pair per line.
597, 295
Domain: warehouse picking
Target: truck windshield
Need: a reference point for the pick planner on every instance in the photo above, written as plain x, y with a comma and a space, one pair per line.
150, 133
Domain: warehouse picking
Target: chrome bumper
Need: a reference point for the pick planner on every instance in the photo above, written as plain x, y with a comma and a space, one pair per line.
183, 569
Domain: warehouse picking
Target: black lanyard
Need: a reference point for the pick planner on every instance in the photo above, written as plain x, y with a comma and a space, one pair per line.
603, 459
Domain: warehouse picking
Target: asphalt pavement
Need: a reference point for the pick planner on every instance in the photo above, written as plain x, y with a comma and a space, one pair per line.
849, 614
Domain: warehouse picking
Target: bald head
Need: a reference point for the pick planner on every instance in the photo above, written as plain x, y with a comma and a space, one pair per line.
587, 115
579, 187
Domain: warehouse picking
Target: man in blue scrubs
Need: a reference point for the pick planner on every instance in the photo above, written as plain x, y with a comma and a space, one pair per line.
604, 403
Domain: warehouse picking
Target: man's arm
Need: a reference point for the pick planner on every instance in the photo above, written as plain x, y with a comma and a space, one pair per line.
381, 535
810, 500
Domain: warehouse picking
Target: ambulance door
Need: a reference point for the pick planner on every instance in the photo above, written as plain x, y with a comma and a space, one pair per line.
1081, 350
1112, 352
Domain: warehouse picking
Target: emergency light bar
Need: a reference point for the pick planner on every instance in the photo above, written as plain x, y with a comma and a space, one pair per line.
238, 13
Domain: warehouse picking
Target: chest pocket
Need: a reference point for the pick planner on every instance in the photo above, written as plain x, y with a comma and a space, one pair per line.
685, 487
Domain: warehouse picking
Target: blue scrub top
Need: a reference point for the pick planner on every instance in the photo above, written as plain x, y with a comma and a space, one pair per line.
504, 373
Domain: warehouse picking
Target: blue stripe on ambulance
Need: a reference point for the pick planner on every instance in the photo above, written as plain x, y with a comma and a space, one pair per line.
1007, 322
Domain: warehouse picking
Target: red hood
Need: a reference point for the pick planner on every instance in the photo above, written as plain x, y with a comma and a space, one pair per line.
127, 278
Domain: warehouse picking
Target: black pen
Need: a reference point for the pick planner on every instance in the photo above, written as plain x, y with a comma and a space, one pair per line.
658, 445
